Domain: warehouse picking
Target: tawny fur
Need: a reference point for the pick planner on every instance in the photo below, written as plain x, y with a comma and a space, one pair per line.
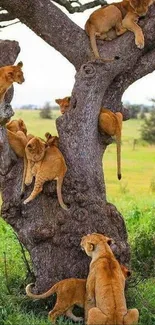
8, 75
69, 292
105, 299
46, 164
117, 18
111, 123
63, 103
17, 137
16, 125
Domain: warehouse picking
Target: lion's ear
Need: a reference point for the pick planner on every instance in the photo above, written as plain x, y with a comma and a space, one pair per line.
20, 64
133, 3
128, 273
21, 122
91, 246
125, 271
48, 135
68, 98
58, 101
109, 241
29, 145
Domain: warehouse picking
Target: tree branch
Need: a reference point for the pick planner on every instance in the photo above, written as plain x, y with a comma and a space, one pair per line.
81, 7
52, 25
113, 95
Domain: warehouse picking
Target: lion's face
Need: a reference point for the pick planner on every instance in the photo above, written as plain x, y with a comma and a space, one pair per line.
93, 242
63, 103
16, 125
14, 73
35, 149
140, 6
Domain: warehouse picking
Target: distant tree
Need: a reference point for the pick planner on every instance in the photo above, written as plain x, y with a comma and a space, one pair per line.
148, 128
138, 110
142, 115
134, 110
46, 111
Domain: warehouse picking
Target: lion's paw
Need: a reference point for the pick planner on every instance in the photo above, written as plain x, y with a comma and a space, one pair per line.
139, 41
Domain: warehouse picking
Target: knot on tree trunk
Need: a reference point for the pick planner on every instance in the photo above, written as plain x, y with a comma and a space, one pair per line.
88, 70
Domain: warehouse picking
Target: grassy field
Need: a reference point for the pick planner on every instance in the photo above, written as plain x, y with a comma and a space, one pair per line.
134, 196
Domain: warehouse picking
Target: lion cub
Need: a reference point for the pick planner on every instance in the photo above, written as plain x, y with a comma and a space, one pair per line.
8, 75
121, 16
105, 299
16, 132
69, 292
63, 103
111, 123
16, 125
46, 163
17, 137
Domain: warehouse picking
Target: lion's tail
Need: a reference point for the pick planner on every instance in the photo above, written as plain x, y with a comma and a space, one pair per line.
59, 194
119, 119
44, 295
91, 32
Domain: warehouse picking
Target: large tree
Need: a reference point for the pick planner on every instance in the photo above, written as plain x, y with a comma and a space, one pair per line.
50, 234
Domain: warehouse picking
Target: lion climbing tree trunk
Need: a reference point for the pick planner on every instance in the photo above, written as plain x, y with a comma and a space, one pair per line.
50, 234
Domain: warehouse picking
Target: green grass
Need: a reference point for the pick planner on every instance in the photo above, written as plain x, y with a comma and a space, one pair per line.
134, 196
35, 124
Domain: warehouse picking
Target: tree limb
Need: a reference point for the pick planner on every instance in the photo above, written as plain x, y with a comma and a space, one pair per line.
52, 25
113, 95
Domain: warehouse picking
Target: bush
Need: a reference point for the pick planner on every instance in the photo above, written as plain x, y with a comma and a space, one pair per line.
143, 257
148, 128
46, 111
142, 297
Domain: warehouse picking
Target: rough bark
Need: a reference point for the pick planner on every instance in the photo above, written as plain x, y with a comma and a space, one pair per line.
9, 51
51, 234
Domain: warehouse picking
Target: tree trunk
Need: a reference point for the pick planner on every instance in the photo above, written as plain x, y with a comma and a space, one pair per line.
52, 235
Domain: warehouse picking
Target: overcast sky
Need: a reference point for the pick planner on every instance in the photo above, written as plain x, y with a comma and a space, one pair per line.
48, 75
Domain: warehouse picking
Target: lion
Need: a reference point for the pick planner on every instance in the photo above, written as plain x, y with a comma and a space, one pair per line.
63, 103
17, 137
46, 163
69, 292
105, 299
117, 18
16, 125
8, 75
111, 123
